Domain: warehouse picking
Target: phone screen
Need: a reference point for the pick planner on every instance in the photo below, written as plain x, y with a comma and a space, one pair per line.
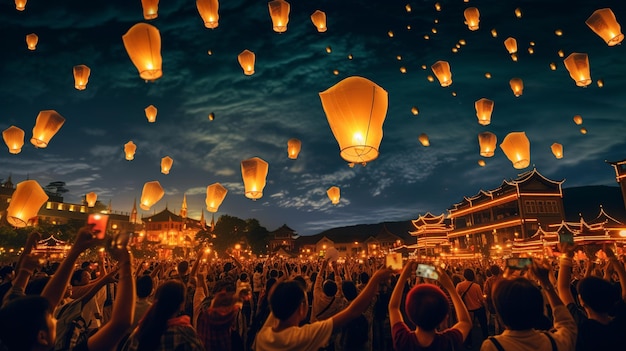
426, 271
394, 261
99, 221
518, 262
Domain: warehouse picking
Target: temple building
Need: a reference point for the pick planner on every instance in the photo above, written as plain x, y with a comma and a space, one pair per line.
432, 235
282, 238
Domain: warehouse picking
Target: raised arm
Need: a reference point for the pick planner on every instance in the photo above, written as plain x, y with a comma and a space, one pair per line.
619, 268
565, 275
464, 323
395, 316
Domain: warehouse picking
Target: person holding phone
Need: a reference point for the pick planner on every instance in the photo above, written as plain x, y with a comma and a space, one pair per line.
472, 295
427, 306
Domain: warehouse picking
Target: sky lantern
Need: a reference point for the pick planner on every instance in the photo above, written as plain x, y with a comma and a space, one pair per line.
81, 76
166, 164
472, 18
254, 172
518, 12
31, 41
441, 69
25, 203
481, 163
91, 199
423, 139
578, 120
151, 113
215, 194
47, 125
604, 24
14, 138
557, 150
151, 194
279, 11
600, 83
246, 60
20, 5
553, 66
414, 110
150, 9
511, 45
319, 20
143, 45
293, 148
208, 10
583, 130
516, 147
517, 85
487, 142
334, 194
494, 33
484, 108
356, 109
129, 150
578, 66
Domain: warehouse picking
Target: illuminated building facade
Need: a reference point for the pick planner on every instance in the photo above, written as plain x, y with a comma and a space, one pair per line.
432, 235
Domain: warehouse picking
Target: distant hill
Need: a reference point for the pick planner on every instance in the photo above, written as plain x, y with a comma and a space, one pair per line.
586, 200
361, 232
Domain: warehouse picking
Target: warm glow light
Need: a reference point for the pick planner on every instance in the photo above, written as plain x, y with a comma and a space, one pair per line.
423, 139
246, 59
484, 108
517, 85
26, 201
166, 164
487, 142
518, 12
150, 9
151, 194
215, 194
494, 33
441, 69
578, 119
81, 76
14, 138
472, 18
557, 150
511, 45
143, 45
319, 20
208, 10
129, 150
605, 25
481, 163
279, 12
414, 111
31, 41
151, 113
254, 171
47, 125
293, 148
516, 147
553, 66
622, 233
20, 5
578, 66
334, 194
91, 199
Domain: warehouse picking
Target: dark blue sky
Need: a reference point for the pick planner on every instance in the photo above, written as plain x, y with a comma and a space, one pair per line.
256, 115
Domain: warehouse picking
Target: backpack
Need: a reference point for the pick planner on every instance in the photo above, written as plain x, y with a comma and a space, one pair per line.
75, 329
356, 334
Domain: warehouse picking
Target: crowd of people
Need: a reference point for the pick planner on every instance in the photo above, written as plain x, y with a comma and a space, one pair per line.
201, 303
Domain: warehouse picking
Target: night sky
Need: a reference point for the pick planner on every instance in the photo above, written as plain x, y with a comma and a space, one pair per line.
256, 115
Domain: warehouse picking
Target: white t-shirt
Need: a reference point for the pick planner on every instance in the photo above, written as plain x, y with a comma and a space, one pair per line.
309, 337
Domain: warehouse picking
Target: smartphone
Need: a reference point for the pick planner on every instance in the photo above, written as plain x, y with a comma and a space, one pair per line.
566, 238
518, 262
426, 271
99, 221
394, 261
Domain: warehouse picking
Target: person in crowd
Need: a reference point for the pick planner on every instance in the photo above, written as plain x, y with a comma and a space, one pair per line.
289, 307
496, 276
427, 306
145, 286
472, 295
519, 303
217, 316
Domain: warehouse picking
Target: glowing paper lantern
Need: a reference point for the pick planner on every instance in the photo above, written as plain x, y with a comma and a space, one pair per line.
215, 194
414, 111
578, 119
150, 9
578, 66
31, 41
151, 113
254, 172
472, 18
441, 69
583, 130
423, 138
356, 109
246, 60
516, 147
487, 142
511, 45
484, 108
151, 194
279, 11
604, 24
91, 199
208, 10
557, 150
319, 20
143, 45
517, 85
166, 164
129, 150
47, 125
481, 163
518, 12
14, 138
26, 201
20, 5
334, 194
553, 66
293, 148
81, 76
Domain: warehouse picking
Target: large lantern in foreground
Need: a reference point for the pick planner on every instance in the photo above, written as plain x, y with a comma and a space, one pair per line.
472, 18
442, 72
246, 59
557, 150
254, 172
516, 147
577, 65
143, 45
26, 201
215, 194
208, 10
151, 194
150, 9
31, 41
20, 5
47, 125
356, 109
334, 194
319, 20
129, 150
604, 24
517, 85
511, 45
14, 138
487, 142
484, 108
293, 148
81, 76
91, 199
166, 164
279, 11
151, 113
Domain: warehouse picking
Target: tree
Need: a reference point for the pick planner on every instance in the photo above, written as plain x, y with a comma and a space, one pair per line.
230, 230
56, 189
